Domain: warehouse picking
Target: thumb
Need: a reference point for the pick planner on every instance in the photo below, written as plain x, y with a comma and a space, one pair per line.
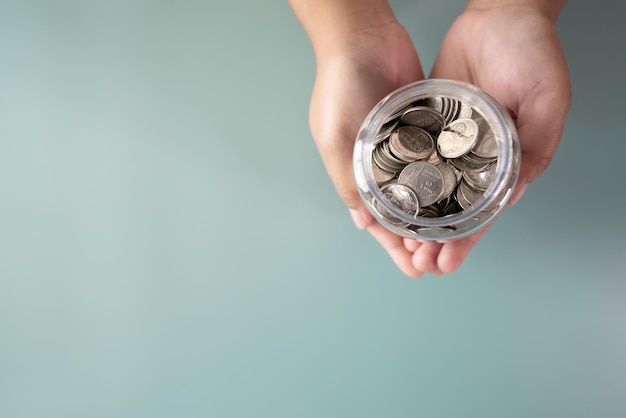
540, 123
334, 131
336, 152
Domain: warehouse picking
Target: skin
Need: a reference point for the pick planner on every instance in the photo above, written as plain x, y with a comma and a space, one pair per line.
510, 49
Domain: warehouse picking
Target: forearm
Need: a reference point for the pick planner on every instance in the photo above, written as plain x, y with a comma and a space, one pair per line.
550, 8
329, 22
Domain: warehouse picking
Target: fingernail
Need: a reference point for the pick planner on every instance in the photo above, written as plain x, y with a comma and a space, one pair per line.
357, 218
518, 194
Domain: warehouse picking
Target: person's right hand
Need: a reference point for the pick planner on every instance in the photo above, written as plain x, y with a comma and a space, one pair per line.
353, 75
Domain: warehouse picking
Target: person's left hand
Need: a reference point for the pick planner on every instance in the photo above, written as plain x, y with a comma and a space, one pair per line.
512, 53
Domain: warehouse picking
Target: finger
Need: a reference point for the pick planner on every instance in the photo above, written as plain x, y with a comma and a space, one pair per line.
437, 272
425, 257
450, 63
361, 218
411, 244
394, 246
453, 253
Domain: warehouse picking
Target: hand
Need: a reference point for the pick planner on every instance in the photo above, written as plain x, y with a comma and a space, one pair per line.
513, 53
360, 70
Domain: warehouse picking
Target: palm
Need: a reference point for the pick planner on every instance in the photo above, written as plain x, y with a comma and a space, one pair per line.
513, 55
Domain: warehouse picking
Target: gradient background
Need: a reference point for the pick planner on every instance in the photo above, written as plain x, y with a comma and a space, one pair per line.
171, 246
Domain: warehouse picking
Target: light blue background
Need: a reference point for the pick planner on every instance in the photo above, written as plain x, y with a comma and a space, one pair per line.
171, 246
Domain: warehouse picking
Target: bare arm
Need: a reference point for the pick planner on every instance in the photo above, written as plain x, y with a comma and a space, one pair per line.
550, 8
330, 23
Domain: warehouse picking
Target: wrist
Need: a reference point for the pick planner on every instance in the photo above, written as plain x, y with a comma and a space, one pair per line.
549, 8
335, 25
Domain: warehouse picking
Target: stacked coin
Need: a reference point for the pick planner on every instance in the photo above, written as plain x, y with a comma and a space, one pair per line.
433, 158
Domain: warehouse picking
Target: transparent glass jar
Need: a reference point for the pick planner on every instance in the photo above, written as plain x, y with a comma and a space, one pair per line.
395, 206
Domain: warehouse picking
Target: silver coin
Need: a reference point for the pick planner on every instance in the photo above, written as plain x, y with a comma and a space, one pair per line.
382, 176
385, 160
478, 161
430, 212
453, 111
423, 117
452, 145
465, 127
434, 102
391, 158
457, 110
386, 130
452, 208
398, 113
449, 179
411, 143
444, 202
461, 201
445, 107
382, 211
465, 111
458, 173
464, 164
378, 160
434, 158
400, 196
384, 163
486, 145
470, 195
458, 138
434, 232
480, 179
425, 179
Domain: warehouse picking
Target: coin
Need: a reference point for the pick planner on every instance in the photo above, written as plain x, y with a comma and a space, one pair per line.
458, 138
452, 208
425, 179
468, 195
386, 130
486, 144
465, 164
465, 111
480, 179
464, 127
423, 117
430, 212
384, 159
411, 143
437, 151
382, 176
435, 103
449, 179
434, 158
445, 108
441, 232
452, 112
481, 161
452, 145
400, 196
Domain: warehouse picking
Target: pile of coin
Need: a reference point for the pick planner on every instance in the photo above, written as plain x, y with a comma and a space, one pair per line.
435, 157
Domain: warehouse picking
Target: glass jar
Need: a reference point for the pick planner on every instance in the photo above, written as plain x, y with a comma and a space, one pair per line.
411, 142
